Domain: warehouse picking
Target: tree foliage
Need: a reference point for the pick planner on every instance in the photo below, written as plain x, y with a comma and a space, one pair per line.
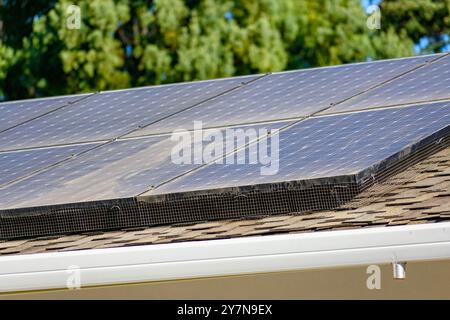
416, 21
140, 42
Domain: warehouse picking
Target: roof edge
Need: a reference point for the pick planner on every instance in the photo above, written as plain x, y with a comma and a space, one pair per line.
210, 258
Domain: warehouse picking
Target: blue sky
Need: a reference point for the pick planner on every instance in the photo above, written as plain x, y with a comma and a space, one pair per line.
367, 3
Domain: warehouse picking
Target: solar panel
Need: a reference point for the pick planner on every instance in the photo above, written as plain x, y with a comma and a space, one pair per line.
288, 95
120, 169
108, 115
431, 82
17, 164
328, 146
16, 112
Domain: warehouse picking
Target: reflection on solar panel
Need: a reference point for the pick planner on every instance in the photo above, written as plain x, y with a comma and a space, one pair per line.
123, 173
288, 95
329, 146
431, 82
120, 169
108, 115
16, 112
16, 164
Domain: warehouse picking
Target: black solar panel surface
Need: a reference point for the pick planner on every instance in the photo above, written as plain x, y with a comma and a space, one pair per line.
288, 95
16, 112
431, 82
328, 146
123, 168
17, 164
107, 115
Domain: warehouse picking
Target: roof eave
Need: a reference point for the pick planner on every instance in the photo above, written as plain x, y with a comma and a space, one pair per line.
210, 258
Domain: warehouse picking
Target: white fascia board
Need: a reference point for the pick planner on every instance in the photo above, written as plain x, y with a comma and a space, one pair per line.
227, 257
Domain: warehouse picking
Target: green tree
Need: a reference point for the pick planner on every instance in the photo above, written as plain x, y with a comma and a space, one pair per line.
332, 32
414, 21
141, 42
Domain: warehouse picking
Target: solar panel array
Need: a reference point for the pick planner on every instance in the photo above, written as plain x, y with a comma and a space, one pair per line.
120, 169
108, 115
287, 95
335, 121
328, 146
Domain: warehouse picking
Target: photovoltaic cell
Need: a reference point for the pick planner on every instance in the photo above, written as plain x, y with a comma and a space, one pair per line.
17, 164
327, 146
431, 82
16, 112
288, 95
123, 168
108, 115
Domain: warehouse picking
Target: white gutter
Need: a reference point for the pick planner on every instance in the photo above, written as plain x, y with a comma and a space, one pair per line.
227, 257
